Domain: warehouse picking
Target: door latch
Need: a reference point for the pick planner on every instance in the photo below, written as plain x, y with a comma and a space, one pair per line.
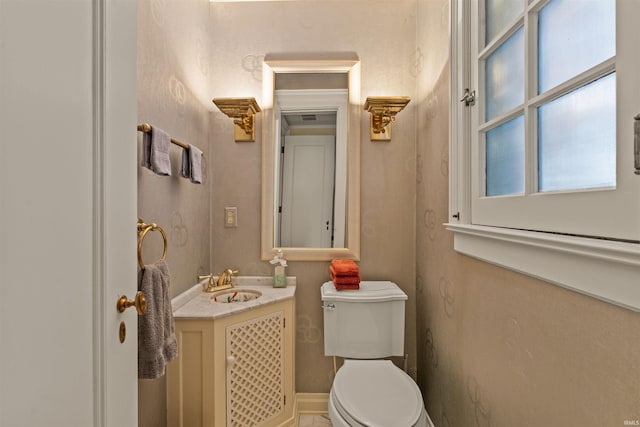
469, 97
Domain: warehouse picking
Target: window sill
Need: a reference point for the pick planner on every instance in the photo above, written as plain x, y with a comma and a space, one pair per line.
607, 270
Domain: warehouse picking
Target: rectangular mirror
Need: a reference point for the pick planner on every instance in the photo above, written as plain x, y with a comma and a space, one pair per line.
311, 157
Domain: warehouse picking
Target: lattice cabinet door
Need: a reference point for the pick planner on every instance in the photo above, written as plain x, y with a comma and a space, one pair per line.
255, 370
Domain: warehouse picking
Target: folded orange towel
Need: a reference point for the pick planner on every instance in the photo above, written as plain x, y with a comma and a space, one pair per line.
344, 266
338, 273
345, 274
347, 287
346, 280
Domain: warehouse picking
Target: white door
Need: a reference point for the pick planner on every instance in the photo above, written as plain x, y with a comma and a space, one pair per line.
307, 191
67, 212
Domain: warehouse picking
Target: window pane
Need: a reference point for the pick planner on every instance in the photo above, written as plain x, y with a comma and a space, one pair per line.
505, 76
577, 138
505, 158
499, 14
574, 35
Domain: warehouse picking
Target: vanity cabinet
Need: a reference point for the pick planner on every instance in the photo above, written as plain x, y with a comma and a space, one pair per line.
234, 371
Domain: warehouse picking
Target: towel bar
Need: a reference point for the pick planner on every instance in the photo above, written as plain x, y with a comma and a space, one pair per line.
143, 229
146, 128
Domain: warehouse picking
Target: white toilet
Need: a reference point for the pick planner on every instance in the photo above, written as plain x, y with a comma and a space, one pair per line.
363, 326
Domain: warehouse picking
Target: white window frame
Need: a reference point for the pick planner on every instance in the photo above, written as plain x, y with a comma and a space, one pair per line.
604, 269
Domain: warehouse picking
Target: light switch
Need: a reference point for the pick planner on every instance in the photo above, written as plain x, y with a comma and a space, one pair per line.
231, 216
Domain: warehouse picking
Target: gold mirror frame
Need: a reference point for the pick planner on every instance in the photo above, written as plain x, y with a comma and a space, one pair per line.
350, 65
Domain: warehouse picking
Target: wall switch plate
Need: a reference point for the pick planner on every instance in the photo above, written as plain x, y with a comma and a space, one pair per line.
231, 216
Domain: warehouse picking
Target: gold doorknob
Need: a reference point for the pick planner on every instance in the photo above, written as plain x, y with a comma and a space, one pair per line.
140, 302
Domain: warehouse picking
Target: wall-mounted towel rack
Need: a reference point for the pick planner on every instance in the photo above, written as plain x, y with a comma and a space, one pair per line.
146, 128
143, 229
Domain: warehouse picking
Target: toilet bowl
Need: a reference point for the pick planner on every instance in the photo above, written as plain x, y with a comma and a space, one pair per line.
365, 327
375, 393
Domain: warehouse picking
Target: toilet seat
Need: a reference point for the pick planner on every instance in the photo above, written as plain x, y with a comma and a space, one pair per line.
376, 393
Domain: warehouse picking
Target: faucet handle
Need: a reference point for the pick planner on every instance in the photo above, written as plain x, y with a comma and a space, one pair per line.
224, 278
230, 273
227, 272
211, 285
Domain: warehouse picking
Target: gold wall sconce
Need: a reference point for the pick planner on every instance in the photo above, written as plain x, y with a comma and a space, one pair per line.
241, 110
383, 110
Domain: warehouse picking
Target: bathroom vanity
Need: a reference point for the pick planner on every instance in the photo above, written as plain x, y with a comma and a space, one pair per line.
236, 359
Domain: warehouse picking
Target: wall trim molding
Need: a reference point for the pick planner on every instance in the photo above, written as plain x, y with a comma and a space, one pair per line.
602, 269
311, 403
307, 403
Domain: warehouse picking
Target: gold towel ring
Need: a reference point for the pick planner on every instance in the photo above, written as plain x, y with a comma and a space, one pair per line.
143, 229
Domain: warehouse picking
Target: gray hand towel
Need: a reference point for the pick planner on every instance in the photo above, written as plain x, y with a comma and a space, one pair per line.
155, 151
192, 164
157, 343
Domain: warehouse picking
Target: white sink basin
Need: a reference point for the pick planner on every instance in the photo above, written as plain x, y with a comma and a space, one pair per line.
235, 295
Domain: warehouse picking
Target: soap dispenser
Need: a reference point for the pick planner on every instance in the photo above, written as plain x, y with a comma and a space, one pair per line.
279, 276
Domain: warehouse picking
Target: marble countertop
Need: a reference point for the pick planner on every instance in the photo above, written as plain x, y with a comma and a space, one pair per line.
196, 304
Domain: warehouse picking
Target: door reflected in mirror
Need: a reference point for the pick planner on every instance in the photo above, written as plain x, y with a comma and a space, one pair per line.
310, 194
305, 214
310, 186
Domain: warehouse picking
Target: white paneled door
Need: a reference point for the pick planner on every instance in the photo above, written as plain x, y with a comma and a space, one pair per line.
308, 181
67, 213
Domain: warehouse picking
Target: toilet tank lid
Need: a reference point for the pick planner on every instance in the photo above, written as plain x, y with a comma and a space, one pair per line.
370, 291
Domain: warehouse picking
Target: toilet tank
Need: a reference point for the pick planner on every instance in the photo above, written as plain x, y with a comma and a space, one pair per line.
367, 323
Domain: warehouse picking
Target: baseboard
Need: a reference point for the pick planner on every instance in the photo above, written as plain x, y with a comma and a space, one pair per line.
292, 421
311, 403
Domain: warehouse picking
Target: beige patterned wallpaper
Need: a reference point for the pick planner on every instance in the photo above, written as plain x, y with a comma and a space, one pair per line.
496, 348
382, 34
174, 87
488, 347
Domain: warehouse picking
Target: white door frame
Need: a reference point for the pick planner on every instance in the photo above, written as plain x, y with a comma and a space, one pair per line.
115, 211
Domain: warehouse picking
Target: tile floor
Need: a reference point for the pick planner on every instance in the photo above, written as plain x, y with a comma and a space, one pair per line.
314, 420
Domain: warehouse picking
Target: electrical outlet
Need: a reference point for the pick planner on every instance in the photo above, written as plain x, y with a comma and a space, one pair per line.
231, 216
